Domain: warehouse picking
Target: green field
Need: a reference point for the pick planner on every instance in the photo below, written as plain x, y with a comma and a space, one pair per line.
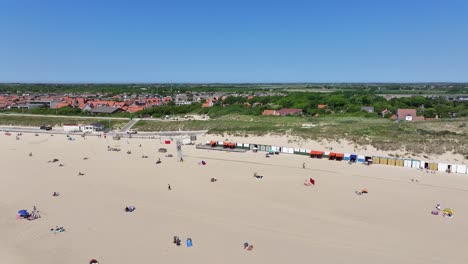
431, 137
34, 121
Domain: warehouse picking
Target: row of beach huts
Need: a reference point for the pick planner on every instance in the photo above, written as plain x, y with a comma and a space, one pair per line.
350, 157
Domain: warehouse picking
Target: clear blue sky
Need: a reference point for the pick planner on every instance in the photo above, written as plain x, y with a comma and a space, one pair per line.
233, 41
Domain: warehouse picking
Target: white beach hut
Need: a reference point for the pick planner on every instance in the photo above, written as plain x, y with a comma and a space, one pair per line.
452, 168
462, 169
407, 163
442, 167
416, 164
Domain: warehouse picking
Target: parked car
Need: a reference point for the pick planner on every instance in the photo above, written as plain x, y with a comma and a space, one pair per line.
46, 127
131, 131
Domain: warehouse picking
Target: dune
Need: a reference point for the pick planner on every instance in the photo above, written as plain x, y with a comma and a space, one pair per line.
284, 220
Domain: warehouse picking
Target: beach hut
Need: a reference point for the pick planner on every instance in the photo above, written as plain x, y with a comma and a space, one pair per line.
331, 155
416, 164
339, 156
213, 143
433, 166
383, 161
361, 158
462, 169
353, 158
451, 168
316, 154
407, 163
399, 162
347, 156
442, 167
391, 161
376, 160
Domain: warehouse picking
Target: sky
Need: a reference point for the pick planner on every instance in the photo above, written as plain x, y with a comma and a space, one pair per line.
201, 41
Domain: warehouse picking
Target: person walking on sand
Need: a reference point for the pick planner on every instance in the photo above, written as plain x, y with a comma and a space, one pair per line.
169, 187
303, 165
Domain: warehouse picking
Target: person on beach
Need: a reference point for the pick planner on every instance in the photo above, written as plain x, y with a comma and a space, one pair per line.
303, 165
169, 187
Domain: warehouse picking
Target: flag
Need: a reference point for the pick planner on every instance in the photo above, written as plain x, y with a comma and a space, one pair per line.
312, 181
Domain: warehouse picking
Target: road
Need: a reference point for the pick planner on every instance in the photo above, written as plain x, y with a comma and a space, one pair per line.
35, 130
59, 116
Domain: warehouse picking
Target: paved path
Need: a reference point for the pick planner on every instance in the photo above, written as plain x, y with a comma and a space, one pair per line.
129, 125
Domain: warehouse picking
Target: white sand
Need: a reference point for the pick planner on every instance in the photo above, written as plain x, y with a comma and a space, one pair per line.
283, 219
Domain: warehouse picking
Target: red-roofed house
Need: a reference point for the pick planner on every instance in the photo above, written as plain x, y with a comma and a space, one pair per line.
270, 112
408, 115
322, 106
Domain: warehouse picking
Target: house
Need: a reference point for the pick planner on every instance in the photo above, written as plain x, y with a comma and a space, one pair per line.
289, 111
368, 109
322, 106
134, 108
408, 115
104, 110
461, 98
270, 112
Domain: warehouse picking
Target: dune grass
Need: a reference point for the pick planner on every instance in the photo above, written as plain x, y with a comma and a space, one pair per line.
431, 137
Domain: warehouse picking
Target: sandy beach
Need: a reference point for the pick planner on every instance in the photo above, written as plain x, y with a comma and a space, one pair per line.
284, 220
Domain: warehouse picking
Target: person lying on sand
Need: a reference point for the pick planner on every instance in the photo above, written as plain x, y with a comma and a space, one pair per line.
258, 176
80, 174
30, 154
60, 165
58, 229
214, 179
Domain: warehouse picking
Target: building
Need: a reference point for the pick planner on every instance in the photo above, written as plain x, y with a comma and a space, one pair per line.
461, 98
322, 106
289, 111
408, 115
270, 112
368, 109
71, 127
104, 110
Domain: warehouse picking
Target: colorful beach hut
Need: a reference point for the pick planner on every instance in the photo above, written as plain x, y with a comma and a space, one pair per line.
361, 158
331, 155
347, 156
316, 154
391, 161
376, 160
339, 156
353, 157
399, 162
